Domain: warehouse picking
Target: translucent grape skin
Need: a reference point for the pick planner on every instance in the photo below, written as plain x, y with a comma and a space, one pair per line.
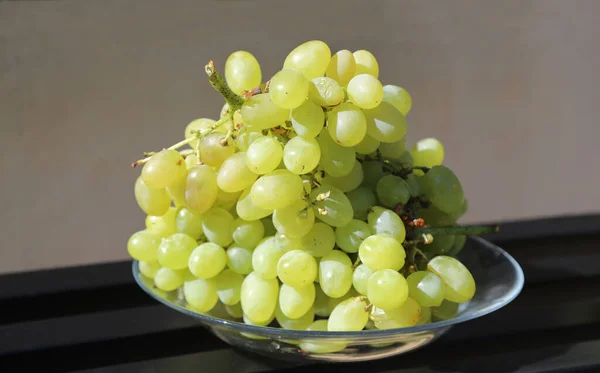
266, 257
443, 189
365, 91
276, 190
402, 317
149, 268
229, 286
264, 155
336, 159
260, 112
296, 301
360, 278
366, 63
174, 251
392, 190
217, 224
319, 241
387, 289
288, 88
294, 220
445, 311
325, 92
347, 124
361, 199
215, 149
381, 251
393, 150
342, 67
151, 200
227, 200
427, 152
164, 169
167, 279
301, 155
242, 72
307, 119
234, 174
335, 204
143, 245
441, 244
349, 315
350, 236
348, 182
239, 259
248, 233
385, 221
189, 223
300, 323
460, 285
335, 273
310, 58
321, 347
398, 97
163, 225
367, 145
201, 294
207, 260
201, 189
426, 288
297, 268
259, 297
198, 125
247, 210
385, 123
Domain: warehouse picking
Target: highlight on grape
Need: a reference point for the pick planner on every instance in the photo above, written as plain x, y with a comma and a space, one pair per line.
300, 205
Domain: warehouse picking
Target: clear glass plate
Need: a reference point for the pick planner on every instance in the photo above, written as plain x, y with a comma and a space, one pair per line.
499, 280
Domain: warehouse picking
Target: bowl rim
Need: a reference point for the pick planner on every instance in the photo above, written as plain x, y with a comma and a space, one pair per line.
304, 334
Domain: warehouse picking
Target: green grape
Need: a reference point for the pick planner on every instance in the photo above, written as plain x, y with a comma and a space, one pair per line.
201, 125
234, 175
347, 124
392, 190
246, 136
460, 285
445, 311
393, 150
365, 91
301, 155
248, 233
286, 243
167, 279
331, 205
288, 88
260, 112
427, 152
367, 145
163, 169
235, 311
201, 189
398, 97
348, 182
336, 160
242, 72
207, 260
360, 278
335, 273
402, 317
387, 289
384, 221
163, 225
247, 320
381, 251
201, 294
264, 155
269, 227
294, 220
441, 244
191, 161
227, 200
366, 63
443, 189
349, 316
426, 288
215, 149
297, 268
299, 323
436, 218
425, 317
176, 191
342, 67
307, 119
265, 258
276, 190
350, 236
321, 347
217, 224
259, 297
174, 251
459, 243
295, 302
152, 201
219, 311
189, 223
325, 92
310, 58
248, 211
149, 268
239, 259
321, 305
229, 286
385, 123
361, 199
143, 245
414, 185
373, 172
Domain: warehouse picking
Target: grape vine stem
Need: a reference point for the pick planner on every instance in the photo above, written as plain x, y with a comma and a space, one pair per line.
216, 80
459, 230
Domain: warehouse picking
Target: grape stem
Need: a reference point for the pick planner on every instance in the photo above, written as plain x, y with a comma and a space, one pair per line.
459, 230
172, 147
216, 80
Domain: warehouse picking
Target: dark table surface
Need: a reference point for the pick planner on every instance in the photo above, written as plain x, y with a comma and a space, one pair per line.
95, 319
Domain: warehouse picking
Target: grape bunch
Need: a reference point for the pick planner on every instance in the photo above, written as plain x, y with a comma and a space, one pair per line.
301, 206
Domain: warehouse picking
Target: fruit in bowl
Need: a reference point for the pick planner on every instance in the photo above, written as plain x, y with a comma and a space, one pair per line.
301, 207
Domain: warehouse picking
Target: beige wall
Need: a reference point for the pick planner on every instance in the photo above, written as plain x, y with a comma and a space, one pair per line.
510, 87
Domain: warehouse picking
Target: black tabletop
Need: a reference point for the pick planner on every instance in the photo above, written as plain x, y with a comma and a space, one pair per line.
95, 319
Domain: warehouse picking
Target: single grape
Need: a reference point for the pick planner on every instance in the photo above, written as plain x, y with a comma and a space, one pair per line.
217, 224
361, 199
387, 289
321, 347
335, 273
174, 251
392, 190
235, 311
445, 311
308, 119
227, 200
163, 169
367, 145
319, 241
443, 189
381, 251
201, 294
360, 278
260, 112
393, 150
300, 323
294, 220
425, 317
191, 161
398, 97
234, 175
342, 67
350, 236
331, 205
373, 172
248, 211
427, 152
246, 136
200, 125
215, 149
402, 317
336, 160
167, 279
143, 245
259, 297
229, 286
296, 301
247, 320
310, 58
288, 88
297, 268
201, 189
384, 221
207, 260
301, 155
350, 315
460, 285
163, 225
176, 191
348, 182
242, 72
385, 123
325, 92
264, 155
347, 124
277, 189
248, 233
414, 184
149, 268
366, 63
151, 200
189, 223
239, 259
426, 288
265, 258
365, 91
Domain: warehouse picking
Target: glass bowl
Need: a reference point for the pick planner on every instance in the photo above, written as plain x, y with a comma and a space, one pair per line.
499, 280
